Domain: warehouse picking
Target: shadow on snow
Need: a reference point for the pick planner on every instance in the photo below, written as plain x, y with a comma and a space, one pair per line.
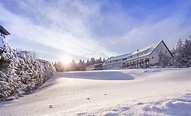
96, 75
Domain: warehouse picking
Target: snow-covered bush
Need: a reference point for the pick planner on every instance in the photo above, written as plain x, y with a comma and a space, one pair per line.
20, 72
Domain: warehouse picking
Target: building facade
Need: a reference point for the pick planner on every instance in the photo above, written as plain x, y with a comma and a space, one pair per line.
97, 66
142, 58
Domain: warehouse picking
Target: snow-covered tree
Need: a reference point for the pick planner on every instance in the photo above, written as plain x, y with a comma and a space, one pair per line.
20, 72
59, 66
92, 61
182, 54
187, 52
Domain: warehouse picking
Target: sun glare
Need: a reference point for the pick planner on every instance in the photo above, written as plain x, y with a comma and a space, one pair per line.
67, 60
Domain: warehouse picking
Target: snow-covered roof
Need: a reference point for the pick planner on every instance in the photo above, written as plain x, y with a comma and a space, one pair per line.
147, 50
118, 57
3, 30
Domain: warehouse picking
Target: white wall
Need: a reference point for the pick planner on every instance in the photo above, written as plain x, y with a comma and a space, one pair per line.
154, 56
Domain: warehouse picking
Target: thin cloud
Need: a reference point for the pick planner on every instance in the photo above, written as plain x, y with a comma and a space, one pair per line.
65, 32
84, 29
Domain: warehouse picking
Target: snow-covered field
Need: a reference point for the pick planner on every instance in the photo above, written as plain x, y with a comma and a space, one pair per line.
109, 93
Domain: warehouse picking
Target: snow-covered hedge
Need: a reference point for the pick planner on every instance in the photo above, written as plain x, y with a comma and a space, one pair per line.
20, 72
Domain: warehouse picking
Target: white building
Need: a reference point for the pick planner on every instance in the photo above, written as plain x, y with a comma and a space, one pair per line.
142, 58
97, 66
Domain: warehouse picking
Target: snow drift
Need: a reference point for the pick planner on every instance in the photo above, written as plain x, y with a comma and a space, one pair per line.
20, 72
151, 92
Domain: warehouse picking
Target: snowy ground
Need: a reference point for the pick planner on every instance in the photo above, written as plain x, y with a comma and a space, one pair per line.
109, 93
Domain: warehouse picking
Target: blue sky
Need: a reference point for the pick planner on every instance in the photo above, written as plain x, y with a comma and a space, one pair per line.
81, 29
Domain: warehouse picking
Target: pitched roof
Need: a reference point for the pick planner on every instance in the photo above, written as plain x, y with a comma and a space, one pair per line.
148, 50
3, 30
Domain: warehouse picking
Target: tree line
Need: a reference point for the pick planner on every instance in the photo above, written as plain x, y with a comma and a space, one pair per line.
76, 66
182, 53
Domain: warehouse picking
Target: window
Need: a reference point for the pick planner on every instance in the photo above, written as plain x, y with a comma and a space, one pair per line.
152, 57
124, 58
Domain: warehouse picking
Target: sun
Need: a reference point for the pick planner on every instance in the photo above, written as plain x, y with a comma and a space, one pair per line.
66, 59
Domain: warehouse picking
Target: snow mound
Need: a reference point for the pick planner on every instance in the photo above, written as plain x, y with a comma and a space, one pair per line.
171, 107
179, 107
20, 72
167, 92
